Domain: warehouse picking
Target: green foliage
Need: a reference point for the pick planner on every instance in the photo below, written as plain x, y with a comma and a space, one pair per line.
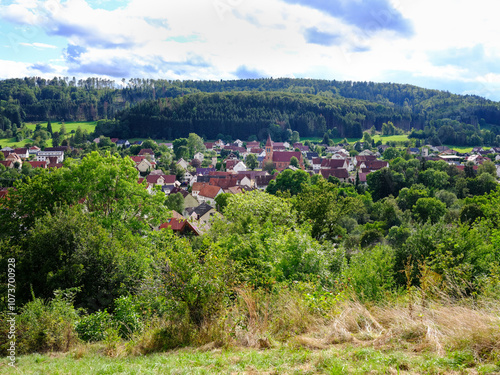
175, 202
323, 205
44, 326
289, 181
429, 209
384, 182
370, 273
222, 200
251, 161
408, 197
94, 327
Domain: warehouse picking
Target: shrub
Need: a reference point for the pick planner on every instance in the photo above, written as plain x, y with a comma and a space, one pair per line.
44, 326
370, 273
94, 327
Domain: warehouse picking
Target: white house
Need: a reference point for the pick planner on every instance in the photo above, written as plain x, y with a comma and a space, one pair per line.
182, 163
199, 156
240, 167
44, 156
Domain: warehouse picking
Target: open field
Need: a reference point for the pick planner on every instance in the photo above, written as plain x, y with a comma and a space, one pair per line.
390, 138
461, 149
11, 142
56, 126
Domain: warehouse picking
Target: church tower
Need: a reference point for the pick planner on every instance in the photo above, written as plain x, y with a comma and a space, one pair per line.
269, 149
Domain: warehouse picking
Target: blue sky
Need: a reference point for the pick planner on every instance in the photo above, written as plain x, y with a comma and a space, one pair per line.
446, 44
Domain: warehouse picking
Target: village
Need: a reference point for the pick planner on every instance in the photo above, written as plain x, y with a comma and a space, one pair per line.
238, 167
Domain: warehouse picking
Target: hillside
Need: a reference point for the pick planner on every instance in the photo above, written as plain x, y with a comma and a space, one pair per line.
240, 108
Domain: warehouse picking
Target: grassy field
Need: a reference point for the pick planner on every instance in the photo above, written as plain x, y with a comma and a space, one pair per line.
56, 126
390, 138
439, 338
461, 149
11, 142
298, 359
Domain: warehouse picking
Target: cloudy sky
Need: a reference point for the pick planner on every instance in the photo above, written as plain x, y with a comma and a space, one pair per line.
451, 45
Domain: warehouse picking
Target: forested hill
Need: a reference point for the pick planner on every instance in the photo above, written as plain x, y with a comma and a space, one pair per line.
307, 105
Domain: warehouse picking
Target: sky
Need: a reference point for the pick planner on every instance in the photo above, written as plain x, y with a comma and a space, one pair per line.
448, 45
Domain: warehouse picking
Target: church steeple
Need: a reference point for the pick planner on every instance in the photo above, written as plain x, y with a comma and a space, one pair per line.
269, 149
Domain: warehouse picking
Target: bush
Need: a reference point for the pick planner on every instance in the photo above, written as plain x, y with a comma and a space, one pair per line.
95, 327
44, 326
370, 273
126, 317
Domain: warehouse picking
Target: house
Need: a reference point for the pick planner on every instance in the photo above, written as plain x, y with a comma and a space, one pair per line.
45, 155
261, 182
180, 226
58, 148
168, 145
204, 171
340, 173
238, 143
199, 156
155, 180
23, 152
203, 214
373, 165
477, 159
123, 143
145, 165
361, 158
208, 194
196, 188
209, 146
281, 159
33, 150
253, 144
240, 167
182, 163
316, 163
38, 164
148, 153
334, 163
7, 163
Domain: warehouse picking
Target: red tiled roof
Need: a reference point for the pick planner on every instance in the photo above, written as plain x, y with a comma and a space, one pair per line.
137, 159
337, 172
361, 158
224, 183
332, 163
197, 186
146, 151
55, 165
177, 225
285, 156
153, 179
169, 179
376, 164
209, 191
38, 164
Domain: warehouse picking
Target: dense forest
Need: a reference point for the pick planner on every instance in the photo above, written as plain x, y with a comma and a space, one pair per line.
170, 109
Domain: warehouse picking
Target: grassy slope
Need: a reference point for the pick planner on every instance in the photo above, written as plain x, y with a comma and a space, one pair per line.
438, 338
56, 126
286, 360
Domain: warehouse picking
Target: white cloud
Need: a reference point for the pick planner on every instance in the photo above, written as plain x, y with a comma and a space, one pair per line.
38, 45
199, 39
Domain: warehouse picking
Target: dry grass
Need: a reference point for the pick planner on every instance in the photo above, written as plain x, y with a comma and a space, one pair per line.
439, 328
